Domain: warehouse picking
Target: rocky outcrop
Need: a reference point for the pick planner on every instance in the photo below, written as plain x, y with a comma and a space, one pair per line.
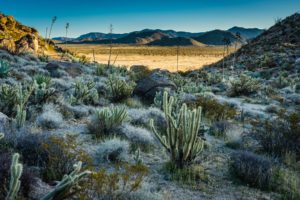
17, 38
150, 85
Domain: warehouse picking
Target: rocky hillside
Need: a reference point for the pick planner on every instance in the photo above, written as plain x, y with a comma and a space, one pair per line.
178, 41
18, 38
276, 48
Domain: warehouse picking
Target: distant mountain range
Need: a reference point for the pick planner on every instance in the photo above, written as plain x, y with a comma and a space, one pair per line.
167, 37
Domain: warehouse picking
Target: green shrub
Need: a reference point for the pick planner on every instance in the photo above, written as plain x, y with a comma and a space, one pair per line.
245, 85
138, 72
119, 89
4, 68
106, 119
214, 110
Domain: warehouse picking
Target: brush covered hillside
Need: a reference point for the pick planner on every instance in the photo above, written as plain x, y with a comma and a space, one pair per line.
80, 130
178, 41
18, 38
247, 33
216, 37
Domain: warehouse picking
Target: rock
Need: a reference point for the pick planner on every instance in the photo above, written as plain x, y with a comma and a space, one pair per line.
39, 189
8, 44
27, 44
150, 85
55, 69
4, 122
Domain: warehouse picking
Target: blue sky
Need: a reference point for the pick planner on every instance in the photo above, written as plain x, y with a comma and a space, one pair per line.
130, 15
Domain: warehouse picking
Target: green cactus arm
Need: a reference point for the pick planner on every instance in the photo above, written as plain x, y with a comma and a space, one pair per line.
67, 182
1, 136
158, 136
16, 170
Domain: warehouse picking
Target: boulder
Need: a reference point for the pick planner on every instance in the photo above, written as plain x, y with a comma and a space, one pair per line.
56, 69
27, 44
150, 85
8, 44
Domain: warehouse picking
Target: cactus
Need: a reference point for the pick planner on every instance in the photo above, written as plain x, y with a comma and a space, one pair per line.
84, 93
66, 183
137, 157
16, 170
181, 140
1, 136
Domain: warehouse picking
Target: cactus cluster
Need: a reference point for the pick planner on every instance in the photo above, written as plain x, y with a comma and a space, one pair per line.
42, 91
84, 93
181, 140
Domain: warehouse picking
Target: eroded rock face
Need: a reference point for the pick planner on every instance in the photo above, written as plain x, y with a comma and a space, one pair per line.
29, 44
150, 85
8, 44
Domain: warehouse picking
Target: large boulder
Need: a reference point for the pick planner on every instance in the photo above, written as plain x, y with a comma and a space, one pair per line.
27, 44
155, 82
57, 69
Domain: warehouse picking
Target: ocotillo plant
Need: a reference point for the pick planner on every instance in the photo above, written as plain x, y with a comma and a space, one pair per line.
110, 47
62, 188
225, 53
238, 38
16, 170
67, 29
52, 23
181, 140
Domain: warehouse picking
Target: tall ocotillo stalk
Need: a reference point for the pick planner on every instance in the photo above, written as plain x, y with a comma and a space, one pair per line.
238, 38
110, 47
181, 140
177, 51
16, 170
67, 29
52, 23
225, 53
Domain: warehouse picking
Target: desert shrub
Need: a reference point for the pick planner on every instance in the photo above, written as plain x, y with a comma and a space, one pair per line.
100, 70
194, 87
142, 117
106, 119
4, 68
287, 183
214, 110
139, 136
245, 85
119, 89
117, 183
181, 140
44, 58
253, 169
133, 103
190, 175
83, 59
27, 179
139, 71
60, 149
50, 118
84, 93
113, 150
281, 135
220, 128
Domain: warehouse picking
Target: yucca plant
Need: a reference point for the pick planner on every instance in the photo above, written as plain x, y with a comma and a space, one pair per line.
181, 139
119, 89
4, 68
106, 119
42, 79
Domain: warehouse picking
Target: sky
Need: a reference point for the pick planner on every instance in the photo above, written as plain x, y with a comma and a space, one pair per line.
132, 15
